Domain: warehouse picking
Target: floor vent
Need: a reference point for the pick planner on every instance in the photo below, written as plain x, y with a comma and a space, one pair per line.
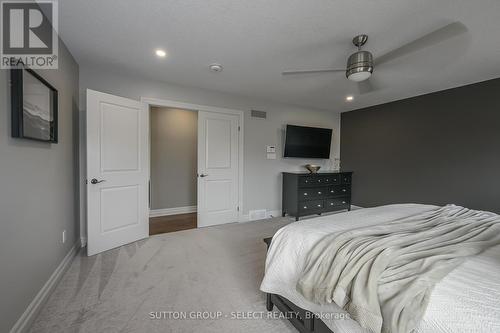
257, 214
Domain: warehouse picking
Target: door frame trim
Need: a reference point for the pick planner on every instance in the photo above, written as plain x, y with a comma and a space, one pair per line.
206, 108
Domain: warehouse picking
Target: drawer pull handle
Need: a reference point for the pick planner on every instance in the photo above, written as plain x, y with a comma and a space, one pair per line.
332, 191
319, 192
305, 207
319, 205
307, 181
343, 202
331, 203
305, 193
344, 190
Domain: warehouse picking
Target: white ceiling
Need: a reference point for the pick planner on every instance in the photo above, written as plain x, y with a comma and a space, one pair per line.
256, 39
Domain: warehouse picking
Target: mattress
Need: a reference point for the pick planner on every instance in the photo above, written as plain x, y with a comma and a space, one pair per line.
466, 300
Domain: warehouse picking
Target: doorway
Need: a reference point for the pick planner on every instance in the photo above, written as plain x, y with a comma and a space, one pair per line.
173, 175
219, 172
118, 167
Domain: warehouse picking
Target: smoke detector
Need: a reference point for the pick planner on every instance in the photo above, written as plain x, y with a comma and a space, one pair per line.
215, 68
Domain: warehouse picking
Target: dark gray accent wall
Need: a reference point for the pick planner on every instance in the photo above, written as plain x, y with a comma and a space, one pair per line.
38, 195
438, 148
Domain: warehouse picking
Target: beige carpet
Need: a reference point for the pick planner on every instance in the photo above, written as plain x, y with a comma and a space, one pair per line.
215, 269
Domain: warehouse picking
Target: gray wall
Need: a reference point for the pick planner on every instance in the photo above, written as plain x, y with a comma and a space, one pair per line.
38, 196
438, 148
173, 157
261, 177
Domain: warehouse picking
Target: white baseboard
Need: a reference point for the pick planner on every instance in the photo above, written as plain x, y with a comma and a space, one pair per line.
172, 211
277, 213
269, 214
26, 319
274, 213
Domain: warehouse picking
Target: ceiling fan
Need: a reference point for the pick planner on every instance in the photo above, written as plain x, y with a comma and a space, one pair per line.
361, 63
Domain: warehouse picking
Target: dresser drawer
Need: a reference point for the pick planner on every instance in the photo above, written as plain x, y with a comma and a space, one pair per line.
306, 193
313, 193
329, 180
334, 191
310, 206
344, 189
336, 202
308, 181
317, 180
346, 178
321, 192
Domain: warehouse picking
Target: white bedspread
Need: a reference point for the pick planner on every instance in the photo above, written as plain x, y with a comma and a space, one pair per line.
464, 301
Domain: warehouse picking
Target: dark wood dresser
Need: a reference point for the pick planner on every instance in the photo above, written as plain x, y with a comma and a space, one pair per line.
307, 194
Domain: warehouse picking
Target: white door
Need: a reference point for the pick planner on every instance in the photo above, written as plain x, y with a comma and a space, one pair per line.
218, 149
117, 171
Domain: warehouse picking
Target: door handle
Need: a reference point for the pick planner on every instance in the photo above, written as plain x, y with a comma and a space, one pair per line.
95, 181
203, 175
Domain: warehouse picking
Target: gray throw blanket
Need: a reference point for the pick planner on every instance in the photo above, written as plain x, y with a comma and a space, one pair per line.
383, 275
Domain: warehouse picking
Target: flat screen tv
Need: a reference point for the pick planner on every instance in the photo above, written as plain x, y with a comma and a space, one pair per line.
307, 142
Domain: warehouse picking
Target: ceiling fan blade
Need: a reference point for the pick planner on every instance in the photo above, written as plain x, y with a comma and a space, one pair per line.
370, 85
312, 71
366, 86
432, 38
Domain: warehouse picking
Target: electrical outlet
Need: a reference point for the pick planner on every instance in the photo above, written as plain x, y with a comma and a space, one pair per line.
64, 236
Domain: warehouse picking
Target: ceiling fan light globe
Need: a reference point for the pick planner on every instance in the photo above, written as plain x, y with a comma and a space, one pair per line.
359, 76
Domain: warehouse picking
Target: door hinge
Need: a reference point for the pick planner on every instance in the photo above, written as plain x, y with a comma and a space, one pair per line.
239, 128
238, 208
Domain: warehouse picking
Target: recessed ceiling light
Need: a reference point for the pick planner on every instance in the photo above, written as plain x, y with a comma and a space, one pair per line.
349, 98
161, 53
216, 67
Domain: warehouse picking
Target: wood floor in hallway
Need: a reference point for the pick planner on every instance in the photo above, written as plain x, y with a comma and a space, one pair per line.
171, 223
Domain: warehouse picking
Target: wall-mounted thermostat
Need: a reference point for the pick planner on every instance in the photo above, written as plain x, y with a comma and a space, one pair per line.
271, 152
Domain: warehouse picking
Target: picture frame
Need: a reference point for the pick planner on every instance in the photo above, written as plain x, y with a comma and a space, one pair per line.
34, 107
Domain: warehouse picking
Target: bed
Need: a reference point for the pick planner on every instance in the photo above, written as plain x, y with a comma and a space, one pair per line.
465, 300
